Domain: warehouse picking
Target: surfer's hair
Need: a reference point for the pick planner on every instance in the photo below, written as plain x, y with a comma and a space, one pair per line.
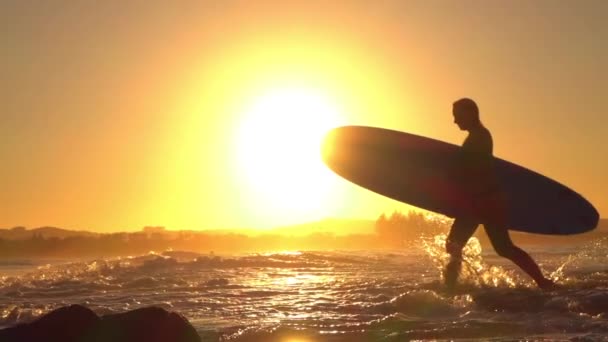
468, 106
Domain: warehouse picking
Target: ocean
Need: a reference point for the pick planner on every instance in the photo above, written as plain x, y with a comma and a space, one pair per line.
306, 296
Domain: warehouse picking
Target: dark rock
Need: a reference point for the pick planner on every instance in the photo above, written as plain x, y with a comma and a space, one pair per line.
145, 325
76, 323
64, 324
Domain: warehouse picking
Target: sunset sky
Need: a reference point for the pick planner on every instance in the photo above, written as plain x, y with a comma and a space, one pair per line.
208, 114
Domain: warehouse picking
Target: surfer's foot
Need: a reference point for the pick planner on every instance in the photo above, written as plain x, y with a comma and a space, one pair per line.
547, 284
450, 286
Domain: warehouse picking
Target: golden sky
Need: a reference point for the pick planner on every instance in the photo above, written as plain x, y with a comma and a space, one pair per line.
119, 114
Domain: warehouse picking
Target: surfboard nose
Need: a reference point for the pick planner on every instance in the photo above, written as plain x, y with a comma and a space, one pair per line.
337, 146
328, 146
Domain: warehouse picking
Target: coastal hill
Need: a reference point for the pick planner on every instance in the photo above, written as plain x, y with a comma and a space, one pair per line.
334, 226
22, 233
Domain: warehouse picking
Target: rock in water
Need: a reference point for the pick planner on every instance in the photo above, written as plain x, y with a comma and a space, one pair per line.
145, 325
77, 323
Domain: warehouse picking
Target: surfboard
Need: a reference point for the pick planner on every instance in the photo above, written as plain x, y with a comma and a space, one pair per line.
416, 170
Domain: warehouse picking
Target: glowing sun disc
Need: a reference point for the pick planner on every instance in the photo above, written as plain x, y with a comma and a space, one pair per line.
279, 145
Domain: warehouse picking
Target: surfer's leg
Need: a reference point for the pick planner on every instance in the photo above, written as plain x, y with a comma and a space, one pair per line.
503, 245
462, 229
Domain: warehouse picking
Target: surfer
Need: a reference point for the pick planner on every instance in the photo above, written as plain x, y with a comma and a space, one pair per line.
474, 168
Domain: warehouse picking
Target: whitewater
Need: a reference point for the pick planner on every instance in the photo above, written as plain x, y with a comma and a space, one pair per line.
306, 296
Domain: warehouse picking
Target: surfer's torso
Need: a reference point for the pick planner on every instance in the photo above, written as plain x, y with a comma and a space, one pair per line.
478, 144
475, 161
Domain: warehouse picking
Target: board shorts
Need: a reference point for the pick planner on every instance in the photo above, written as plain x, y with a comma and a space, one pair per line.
490, 208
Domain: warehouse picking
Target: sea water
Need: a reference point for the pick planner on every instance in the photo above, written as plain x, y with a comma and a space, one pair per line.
306, 296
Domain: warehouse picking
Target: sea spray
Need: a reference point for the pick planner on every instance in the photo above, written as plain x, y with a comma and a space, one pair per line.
475, 271
591, 253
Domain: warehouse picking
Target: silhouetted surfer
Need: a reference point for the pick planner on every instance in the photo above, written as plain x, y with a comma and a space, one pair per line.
474, 168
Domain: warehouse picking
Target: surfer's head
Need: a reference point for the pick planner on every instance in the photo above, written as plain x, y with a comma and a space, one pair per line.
466, 114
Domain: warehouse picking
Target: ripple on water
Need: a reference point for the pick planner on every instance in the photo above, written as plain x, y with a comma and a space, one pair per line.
330, 296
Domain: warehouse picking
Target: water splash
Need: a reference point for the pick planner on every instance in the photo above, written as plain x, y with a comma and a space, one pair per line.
474, 270
593, 252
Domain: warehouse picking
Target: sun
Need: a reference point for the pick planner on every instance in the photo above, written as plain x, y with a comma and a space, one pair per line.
279, 143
